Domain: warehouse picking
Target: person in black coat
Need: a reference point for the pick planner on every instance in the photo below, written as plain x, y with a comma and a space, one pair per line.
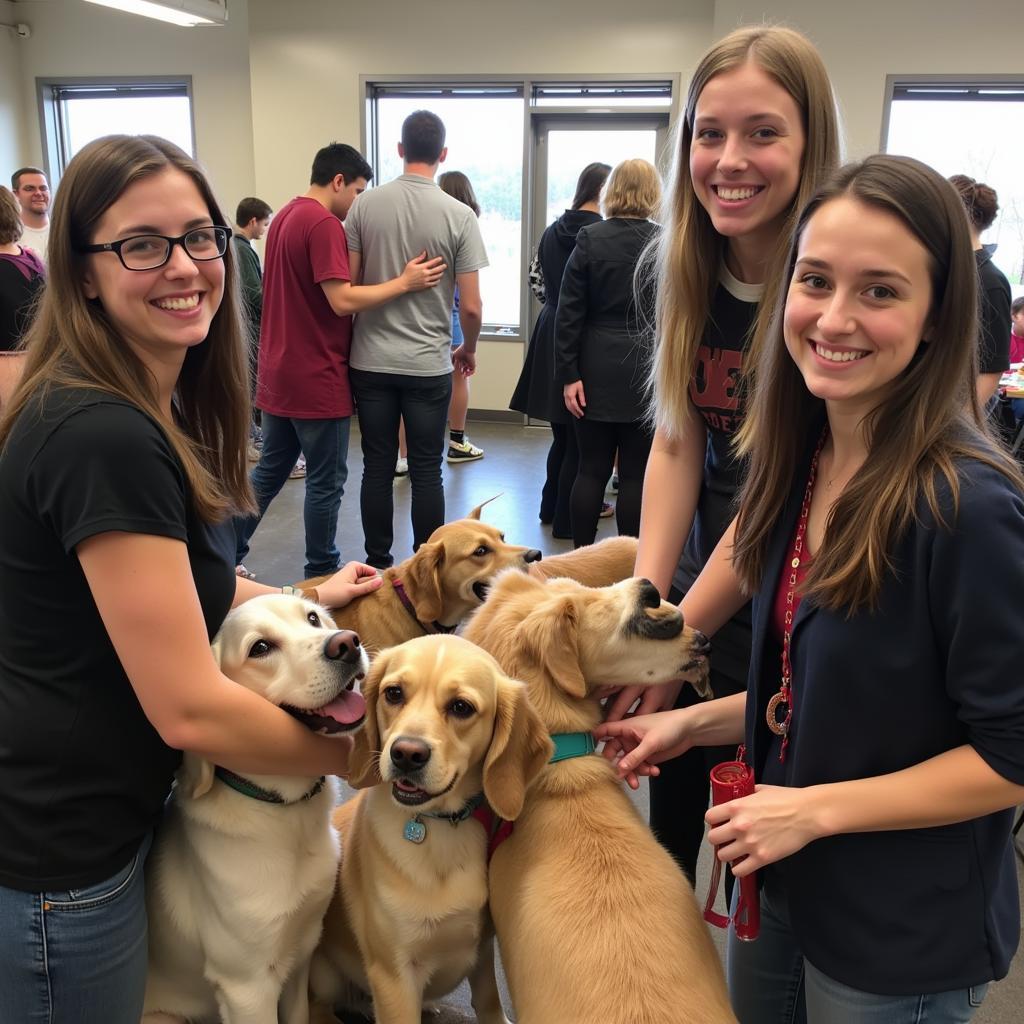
994, 295
601, 351
535, 393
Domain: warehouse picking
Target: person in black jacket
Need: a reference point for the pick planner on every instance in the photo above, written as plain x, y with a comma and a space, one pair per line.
601, 353
535, 393
994, 296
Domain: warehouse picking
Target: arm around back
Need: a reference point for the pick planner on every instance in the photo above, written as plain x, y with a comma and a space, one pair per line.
346, 298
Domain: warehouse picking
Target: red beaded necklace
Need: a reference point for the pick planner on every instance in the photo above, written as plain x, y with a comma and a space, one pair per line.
782, 702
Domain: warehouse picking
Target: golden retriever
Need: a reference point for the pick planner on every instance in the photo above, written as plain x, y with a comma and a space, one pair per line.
238, 881
595, 565
409, 920
594, 920
442, 583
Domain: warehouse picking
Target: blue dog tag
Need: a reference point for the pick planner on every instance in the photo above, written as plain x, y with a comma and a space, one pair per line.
415, 831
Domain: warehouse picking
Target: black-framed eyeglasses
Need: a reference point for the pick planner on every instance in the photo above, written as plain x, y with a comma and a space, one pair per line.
150, 252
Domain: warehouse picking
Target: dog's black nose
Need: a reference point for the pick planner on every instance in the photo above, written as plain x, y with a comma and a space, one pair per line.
344, 645
648, 594
533, 555
409, 754
701, 644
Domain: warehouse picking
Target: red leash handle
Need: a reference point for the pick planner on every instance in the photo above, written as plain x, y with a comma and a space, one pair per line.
729, 781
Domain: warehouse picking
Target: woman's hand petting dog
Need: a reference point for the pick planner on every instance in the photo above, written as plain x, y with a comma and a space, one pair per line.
351, 581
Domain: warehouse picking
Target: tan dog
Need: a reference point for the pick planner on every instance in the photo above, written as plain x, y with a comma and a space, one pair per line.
237, 884
595, 565
444, 725
594, 919
443, 582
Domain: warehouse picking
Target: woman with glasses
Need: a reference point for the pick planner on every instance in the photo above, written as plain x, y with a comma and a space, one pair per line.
122, 459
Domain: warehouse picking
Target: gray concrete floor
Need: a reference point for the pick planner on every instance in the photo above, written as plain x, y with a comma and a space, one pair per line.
512, 468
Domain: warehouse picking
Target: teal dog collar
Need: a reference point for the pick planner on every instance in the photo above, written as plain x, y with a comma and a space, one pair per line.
571, 744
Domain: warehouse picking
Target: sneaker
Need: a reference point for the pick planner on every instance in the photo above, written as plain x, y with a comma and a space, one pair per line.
298, 470
402, 467
607, 509
463, 451
240, 570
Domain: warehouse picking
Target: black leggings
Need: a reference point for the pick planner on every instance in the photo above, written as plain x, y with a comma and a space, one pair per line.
563, 461
598, 443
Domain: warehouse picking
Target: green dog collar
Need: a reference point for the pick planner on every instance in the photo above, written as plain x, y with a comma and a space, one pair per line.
571, 744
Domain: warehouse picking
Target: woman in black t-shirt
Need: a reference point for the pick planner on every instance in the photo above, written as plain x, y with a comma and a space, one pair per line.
122, 458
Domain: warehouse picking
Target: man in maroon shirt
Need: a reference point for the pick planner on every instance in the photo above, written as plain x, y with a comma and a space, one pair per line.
305, 336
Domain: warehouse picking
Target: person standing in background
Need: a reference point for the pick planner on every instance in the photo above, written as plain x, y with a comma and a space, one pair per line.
982, 205
306, 331
535, 394
32, 191
22, 274
402, 359
602, 349
458, 186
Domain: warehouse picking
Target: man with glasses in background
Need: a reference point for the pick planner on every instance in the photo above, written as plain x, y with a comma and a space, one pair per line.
32, 191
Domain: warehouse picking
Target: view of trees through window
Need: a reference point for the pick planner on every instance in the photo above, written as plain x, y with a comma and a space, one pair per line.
485, 142
983, 139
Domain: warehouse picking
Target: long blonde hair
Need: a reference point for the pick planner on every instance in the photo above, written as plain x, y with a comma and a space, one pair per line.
927, 420
689, 250
72, 342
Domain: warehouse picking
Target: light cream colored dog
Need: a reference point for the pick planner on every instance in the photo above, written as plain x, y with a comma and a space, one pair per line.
243, 869
444, 727
595, 921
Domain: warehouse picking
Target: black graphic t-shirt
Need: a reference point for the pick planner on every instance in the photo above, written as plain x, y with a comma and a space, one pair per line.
714, 390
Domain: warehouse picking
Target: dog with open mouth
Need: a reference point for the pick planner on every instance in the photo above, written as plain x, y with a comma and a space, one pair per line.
448, 735
627, 942
242, 869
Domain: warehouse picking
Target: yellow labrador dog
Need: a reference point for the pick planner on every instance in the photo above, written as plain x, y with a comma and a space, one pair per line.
437, 587
243, 868
445, 729
594, 920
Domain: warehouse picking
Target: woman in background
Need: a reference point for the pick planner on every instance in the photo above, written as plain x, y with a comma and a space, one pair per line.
460, 449
22, 275
602, 349
994, 317
536, 394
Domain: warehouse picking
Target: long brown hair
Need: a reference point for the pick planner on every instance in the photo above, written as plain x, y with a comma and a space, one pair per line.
72, 342
689, 250
926, 421
458, 186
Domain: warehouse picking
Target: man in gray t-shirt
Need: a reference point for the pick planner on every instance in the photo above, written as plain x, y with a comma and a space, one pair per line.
401, 360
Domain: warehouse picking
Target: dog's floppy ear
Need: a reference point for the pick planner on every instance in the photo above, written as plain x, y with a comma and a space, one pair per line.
195, 776
423, 580
475, 513
364, 761
520, 747
550, 636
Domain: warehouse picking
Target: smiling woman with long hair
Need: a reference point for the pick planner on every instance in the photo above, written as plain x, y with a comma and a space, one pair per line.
879, 530
122, 456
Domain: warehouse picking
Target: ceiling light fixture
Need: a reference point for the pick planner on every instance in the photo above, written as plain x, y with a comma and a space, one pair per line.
187, 13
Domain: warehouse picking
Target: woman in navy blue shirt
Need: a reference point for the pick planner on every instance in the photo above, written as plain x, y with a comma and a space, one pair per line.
880, 530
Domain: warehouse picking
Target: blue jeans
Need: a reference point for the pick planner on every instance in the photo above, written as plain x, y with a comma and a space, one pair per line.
770, 982
325, 445
382, 399
76, 956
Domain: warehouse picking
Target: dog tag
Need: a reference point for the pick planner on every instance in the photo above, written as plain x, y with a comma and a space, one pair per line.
415, 831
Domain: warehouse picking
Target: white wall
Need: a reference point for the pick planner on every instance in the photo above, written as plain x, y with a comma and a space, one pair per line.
862, 42
12, 127
74, 38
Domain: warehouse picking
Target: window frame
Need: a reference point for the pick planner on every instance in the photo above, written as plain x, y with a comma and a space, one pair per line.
371, 85
52, 127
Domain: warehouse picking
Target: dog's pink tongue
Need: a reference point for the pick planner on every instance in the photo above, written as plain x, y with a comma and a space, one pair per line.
347, 709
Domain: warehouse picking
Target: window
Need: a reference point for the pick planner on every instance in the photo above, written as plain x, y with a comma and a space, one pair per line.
974, 128
484, 126
76, 111
603, 96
